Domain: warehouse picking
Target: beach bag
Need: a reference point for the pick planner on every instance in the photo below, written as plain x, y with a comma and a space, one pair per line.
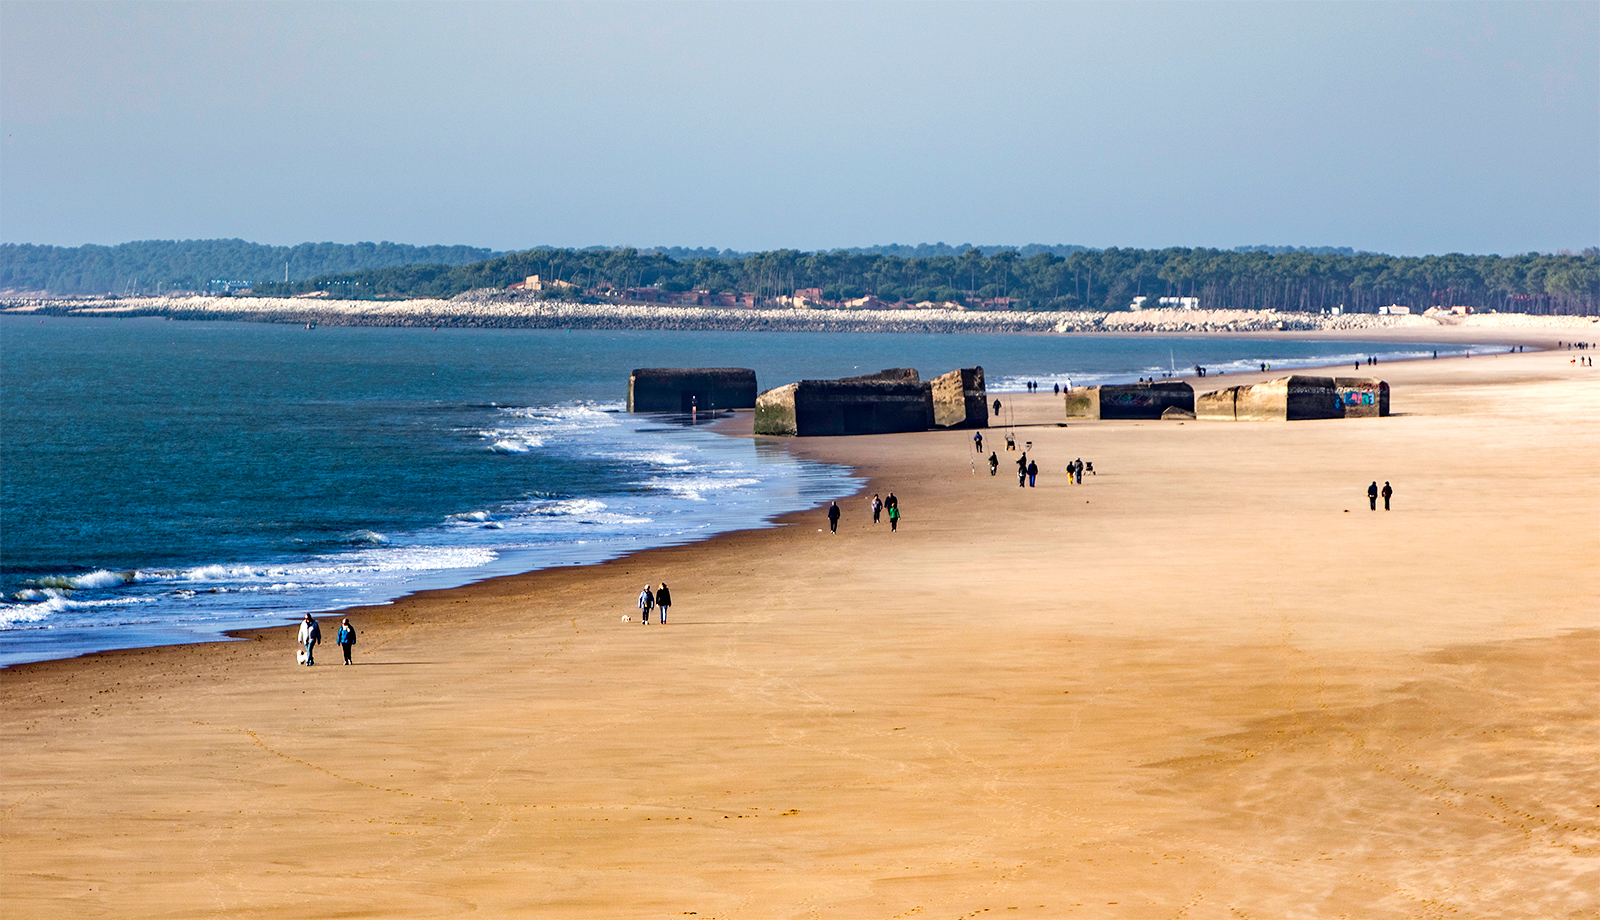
300, 655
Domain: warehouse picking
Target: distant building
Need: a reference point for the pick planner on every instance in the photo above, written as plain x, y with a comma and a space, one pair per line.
1182, 303
534, 283
1394, 309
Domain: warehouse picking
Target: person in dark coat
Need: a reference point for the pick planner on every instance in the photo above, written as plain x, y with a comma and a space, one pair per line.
1033, 471
977, 440
1372, 495
994, 463
663, 601
833, 517
346, 638
1387, 491
1022, 470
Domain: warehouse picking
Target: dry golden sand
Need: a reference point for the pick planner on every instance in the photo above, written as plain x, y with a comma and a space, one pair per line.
1209, 682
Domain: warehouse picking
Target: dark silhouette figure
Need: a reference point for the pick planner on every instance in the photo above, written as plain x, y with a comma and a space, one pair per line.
1033, 471
1022, 470
833, 516
1372, 495
994, 463
997, 407
1387, 491
977, 440
663, 601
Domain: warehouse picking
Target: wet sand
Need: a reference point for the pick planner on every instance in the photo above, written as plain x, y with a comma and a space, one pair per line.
1208, 682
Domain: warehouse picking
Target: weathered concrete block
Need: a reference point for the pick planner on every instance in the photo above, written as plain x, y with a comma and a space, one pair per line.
1362, 397
1297, 397
960, 399
891, 401
1217, 404
1129, 401
1176, 413
677, 389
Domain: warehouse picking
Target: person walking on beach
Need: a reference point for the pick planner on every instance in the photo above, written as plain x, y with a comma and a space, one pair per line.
346, 638
833, 517
977, 440
1033, 471
647, 599
997, 407
310, 635
663, 601
1022, 470
877, 507
994, 463
894, 518
1372, 495
1387, 491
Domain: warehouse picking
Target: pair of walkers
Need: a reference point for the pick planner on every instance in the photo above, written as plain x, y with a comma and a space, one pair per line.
659, 599
311, 635
1373, 492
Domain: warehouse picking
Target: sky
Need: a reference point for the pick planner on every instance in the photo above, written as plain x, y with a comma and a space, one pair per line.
1397, 127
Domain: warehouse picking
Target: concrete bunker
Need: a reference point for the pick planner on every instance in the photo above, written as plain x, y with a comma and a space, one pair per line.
889, 401
679, 389
1129, 400
1297, 397
960, 399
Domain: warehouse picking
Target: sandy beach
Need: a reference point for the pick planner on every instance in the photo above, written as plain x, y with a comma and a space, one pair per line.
1208, 682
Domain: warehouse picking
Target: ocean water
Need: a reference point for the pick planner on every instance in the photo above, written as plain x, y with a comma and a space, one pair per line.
163, 481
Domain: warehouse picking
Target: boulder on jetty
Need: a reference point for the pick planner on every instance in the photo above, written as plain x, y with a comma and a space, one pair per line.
1297, 397
1129, 400
679, 389
890, 401
960, 399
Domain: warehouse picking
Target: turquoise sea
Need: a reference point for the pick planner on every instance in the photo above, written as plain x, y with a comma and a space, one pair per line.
163, 481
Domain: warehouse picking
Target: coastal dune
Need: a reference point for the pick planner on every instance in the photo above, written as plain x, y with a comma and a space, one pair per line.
1207, 682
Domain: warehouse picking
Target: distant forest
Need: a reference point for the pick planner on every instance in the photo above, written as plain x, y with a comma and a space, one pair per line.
157, 266
1035, 277
1257, 278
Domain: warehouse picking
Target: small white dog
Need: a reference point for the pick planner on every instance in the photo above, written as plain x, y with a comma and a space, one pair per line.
626, 618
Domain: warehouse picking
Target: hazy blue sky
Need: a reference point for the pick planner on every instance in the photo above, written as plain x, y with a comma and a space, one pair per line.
1403, 128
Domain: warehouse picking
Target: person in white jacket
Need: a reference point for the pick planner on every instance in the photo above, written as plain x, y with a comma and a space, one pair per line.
310, 635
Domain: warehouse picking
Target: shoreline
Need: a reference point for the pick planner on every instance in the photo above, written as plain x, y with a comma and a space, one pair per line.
739, 425
1210, 658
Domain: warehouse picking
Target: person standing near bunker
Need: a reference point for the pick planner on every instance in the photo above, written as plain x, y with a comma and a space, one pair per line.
1387, 491
1372, 495
994, 463
977, 440
346, 638
647, 599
